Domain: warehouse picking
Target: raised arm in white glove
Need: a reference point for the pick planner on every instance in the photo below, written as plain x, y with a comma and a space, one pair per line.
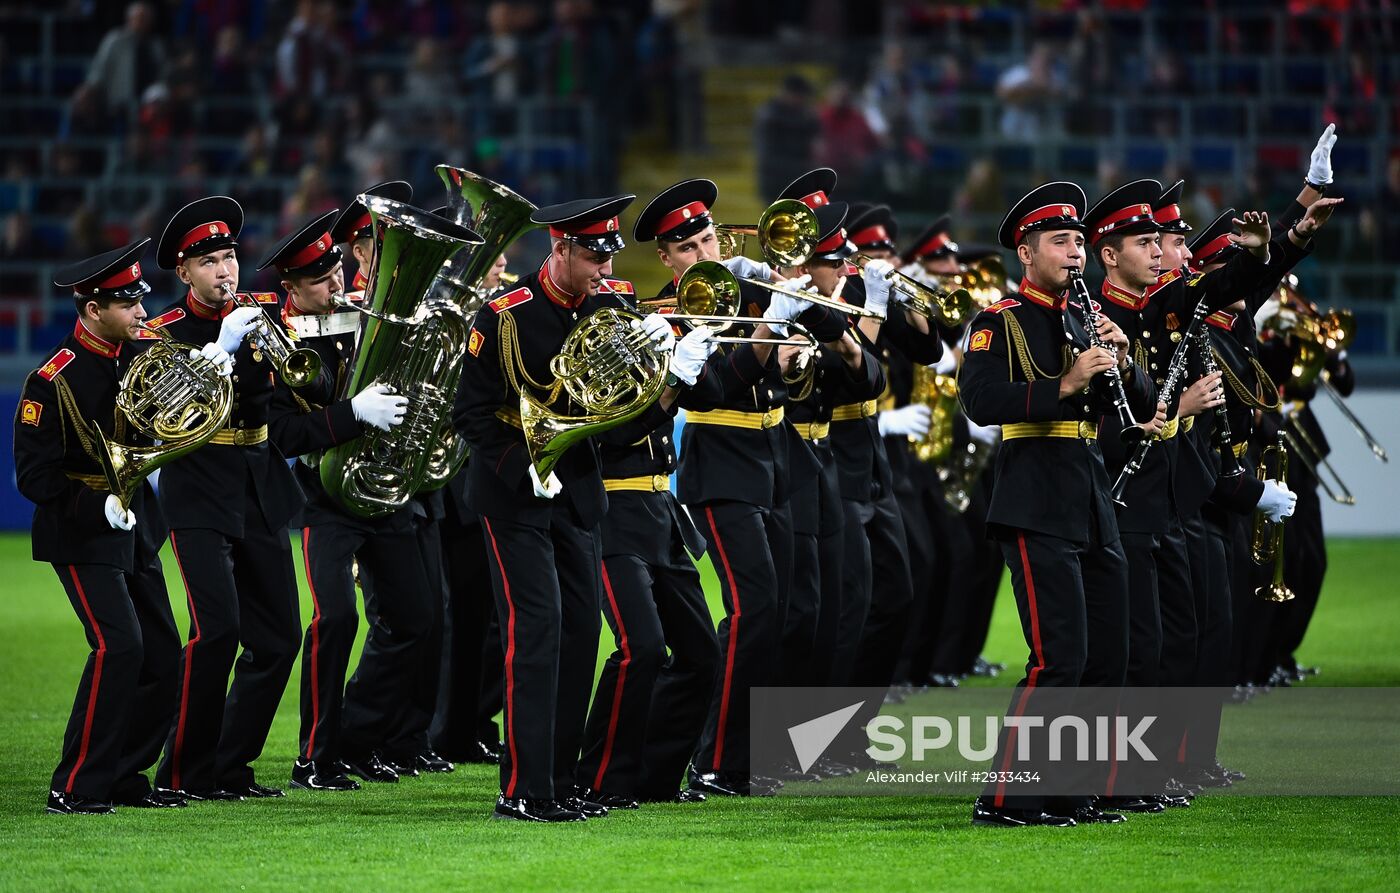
658, 330
983, 434
689, 355
379, 407
215, 354
912, 421
548, 488
784, 307
118, 517
746, 268
877, 284
1320, 166
236, 327
1277, 501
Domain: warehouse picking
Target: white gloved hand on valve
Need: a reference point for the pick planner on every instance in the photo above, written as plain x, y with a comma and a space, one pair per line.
784, 307
549, 488
690, 353
236, 327
909, 421
745, 268
223, 363
118, 517
877, 284
657, 329
1277, 501
379, 407
1320, 165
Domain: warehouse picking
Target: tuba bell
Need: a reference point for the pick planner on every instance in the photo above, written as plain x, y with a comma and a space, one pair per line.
179, 401
414, 338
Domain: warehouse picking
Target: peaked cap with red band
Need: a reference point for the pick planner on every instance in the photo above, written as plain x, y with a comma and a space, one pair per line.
1167, 210
833, 243
933, 241
113, 275
677, 213
354, 222
873, 228
588, 222
1213, 245
203, 226
813, 188
308, 250
1126, 210
1051, 206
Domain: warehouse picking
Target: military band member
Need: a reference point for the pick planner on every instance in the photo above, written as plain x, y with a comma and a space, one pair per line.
542, 533
228, 505
106, 561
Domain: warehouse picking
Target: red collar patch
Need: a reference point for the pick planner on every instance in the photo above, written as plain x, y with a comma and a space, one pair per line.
99, 346
359, 283
512, 299
1222, 319
1040, 296
1163, 280
205, 311
554, 292
55, 365
1122, 297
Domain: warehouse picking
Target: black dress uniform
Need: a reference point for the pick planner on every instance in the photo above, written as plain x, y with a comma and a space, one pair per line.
228, 505
1050, 508
126, 694
545, 553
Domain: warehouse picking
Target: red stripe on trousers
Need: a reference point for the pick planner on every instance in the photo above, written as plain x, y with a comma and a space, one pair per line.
733, 640
621, 679
179, 748
510, 662
1035, 670
315, 644
101, 655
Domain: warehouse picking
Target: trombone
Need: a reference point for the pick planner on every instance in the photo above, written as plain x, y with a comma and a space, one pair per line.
1266, 542
787, 233
1303, 444
707, 295
949, 308
1376, 449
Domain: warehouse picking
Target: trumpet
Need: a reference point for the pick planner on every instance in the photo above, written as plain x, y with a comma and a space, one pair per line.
948, 308
707, 295
1302, 444
298, 366
787, 233
1266, 542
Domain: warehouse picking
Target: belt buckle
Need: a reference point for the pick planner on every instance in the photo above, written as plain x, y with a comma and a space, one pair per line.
660, 482
770, 418
1088, 430
241, 436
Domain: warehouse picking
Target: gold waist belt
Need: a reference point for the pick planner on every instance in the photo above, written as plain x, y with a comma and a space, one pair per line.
854, 411
733, 418
1082, 430
814, 430
91, 481
509, 416
1170, 430
654, 483
240, 436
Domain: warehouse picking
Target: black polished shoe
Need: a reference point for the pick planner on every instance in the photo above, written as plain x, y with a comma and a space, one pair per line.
684, 795
526, 809
406, 768
942, 680
1204, 778
1172, 801
216, 795
308, 776
370, 768
831, 767
728, 784
602, 798
1130, 804
982, 667
984, 813
793, 772
160, 798
1092, 815
587, 807
476, 752
62, 803
254, 791
429, 761
1232, 774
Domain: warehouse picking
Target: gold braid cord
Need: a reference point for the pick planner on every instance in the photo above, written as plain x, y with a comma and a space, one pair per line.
514, 367
68, 406
1023, 353
1264, 382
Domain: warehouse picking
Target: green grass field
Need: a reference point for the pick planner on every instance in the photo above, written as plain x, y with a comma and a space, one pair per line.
433, 832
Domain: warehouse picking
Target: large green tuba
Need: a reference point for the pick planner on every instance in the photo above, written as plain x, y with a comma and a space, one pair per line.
414, 338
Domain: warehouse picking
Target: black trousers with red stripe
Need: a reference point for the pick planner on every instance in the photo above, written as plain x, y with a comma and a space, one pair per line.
649, 708
126, 695
547, 595
748, 545
813, 617
469, 654
239, 591
1072, 600
349, 721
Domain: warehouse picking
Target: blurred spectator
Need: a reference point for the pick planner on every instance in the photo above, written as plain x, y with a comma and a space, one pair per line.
981, 195
428, 80
1351, 99
129, 59
495, 66
86, 116
254, 158
312, 196
1390, 200
328, 156
891, 90
85, 233
847, 142
20, 242
578, 58
1032, 92
311, 58
935, 110
370, 135
786, 131
231, 72
675, 51
65, 186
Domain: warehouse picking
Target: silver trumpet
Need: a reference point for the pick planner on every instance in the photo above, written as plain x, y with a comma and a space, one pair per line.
298, 366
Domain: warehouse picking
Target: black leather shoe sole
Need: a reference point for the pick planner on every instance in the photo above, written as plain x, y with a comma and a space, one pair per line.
988, 816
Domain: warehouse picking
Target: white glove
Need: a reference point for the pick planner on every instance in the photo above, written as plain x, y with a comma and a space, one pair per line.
1277, 500
877, 284
983, 434
689, 355
657, 329
1320, 167
236, 326
216, 355
118, 517
379, 407
912, 420
745, 268
947, 363
781, 306
546, 489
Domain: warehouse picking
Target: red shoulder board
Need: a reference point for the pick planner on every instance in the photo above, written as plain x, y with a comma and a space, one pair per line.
1004, 304
620, 286
1222, 319
146, 335
851, 270
55, 364
264, 297
511, 299
1168, 277
169, 316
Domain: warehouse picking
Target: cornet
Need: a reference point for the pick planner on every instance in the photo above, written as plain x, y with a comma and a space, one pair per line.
1266, 543
949, 308
298, 366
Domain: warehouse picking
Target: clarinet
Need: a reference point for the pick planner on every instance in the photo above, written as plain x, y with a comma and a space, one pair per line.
1229, 465
1170, 384
1130, 433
